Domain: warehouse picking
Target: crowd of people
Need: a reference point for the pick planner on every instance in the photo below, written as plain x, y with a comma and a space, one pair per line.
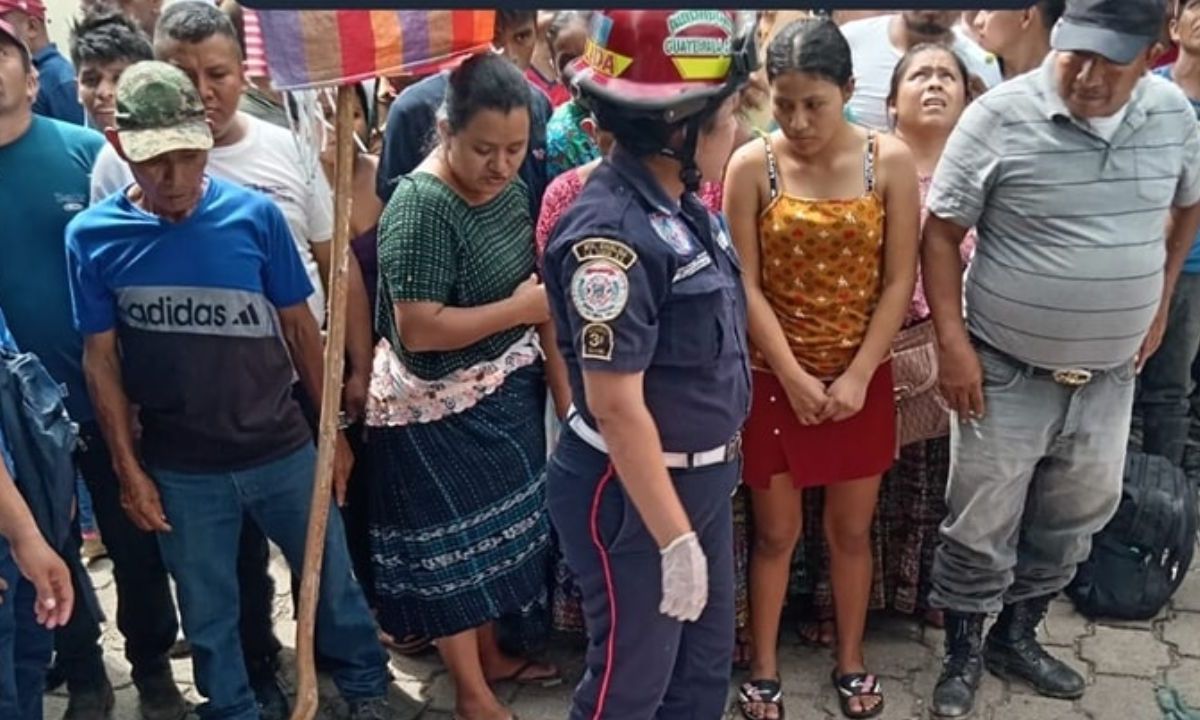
663, 329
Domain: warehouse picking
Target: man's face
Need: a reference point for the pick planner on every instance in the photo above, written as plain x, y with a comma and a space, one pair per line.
1185, 28
929, 23
18, 84
215, 68
173, 182
1093, 86
998, 30
98, 90
518, 42
143, 12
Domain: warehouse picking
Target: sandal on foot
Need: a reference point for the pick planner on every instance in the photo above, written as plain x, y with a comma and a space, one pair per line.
522, 676
760, 692
860, 685
817, 633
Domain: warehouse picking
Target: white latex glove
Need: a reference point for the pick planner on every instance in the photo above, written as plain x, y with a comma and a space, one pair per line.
684, 579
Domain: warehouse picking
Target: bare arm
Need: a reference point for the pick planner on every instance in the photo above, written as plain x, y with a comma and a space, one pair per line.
102, 369
958, 364
902, 201
434, 327
35, 558
743, 202
359, 349
616, 402
303, 339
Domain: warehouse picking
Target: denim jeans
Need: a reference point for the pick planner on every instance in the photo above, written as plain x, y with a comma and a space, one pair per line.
1030, 483
145, 606
206, 514
1166, 382
25, 646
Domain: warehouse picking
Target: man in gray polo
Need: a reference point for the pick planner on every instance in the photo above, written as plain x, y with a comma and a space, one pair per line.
1082, 179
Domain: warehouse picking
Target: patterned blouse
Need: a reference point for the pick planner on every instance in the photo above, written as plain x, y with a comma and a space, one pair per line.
567, 145
434, 247
563, 190
821, 270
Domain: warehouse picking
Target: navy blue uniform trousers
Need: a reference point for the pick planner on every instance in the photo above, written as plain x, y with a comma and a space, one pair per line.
641, 664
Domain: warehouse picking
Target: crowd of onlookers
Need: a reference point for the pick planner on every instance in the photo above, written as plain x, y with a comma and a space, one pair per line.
927, 144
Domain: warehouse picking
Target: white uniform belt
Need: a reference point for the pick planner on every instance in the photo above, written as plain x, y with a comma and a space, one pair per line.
676, 461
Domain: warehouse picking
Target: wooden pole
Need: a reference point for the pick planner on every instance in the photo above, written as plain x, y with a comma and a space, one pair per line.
331, 400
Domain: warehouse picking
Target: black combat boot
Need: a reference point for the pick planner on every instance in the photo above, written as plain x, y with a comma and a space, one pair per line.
1012, 651
954, 695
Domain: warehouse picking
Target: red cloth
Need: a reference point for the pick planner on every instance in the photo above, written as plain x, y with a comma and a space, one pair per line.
774, 442
1167, 58
555, 92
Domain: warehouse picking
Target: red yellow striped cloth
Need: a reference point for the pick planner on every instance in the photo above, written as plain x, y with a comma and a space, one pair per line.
313, 48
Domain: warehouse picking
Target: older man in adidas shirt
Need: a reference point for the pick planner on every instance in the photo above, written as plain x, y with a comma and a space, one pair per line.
1082, 178
200, 284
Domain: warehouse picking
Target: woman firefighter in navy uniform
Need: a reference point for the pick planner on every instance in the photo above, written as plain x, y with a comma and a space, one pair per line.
650, 315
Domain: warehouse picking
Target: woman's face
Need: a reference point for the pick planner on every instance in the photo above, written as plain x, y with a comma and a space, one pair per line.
486, 154
714, 146
329, 110
808, 109
930, 93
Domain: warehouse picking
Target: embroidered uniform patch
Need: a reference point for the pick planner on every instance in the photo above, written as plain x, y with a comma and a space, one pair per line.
597, 342
672, 230
599, 290
605, 249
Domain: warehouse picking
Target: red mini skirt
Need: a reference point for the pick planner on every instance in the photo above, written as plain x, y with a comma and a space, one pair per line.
774, 442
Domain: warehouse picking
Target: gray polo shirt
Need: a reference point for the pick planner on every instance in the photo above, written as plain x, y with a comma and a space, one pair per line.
1068, 270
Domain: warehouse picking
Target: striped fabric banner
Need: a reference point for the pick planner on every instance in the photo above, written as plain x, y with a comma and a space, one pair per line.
313, 48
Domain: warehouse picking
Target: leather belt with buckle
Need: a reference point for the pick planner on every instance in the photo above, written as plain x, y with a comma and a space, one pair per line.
719, 455
1072, 377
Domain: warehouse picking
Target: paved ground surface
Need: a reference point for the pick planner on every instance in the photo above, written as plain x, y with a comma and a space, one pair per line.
1126, 665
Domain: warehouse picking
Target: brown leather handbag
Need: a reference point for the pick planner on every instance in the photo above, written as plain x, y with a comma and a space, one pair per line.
923, 413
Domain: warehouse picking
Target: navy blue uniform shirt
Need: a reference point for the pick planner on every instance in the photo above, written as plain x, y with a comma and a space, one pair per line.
638, 282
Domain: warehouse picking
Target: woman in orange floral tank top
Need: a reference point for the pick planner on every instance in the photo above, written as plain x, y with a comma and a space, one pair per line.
825, 216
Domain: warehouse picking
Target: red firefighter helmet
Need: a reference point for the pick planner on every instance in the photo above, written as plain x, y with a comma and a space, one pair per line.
670, 63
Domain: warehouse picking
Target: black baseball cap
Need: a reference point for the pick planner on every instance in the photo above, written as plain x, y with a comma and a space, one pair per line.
1115, 29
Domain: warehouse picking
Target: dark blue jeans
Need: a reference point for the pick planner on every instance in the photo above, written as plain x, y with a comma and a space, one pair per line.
205, 512
25, 646
1166, 381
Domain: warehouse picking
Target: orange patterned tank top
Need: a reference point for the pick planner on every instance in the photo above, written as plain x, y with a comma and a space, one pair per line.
821, 269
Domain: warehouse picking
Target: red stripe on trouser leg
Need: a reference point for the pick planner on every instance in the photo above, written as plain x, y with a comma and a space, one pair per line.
609, 590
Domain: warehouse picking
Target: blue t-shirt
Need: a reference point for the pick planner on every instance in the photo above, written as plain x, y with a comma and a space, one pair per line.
44, 179
1192, 264
193, 304
58, 94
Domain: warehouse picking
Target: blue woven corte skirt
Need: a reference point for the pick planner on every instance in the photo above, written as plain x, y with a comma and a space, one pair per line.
459, 532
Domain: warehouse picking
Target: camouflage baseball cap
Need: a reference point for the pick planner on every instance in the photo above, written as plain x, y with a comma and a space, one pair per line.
159, 110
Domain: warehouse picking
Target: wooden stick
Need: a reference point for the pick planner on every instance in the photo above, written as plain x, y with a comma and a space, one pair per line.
331, 400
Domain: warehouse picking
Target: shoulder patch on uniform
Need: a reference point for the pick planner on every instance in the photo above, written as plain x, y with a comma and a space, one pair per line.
607, 249
600, 290
597, 342
673, 232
